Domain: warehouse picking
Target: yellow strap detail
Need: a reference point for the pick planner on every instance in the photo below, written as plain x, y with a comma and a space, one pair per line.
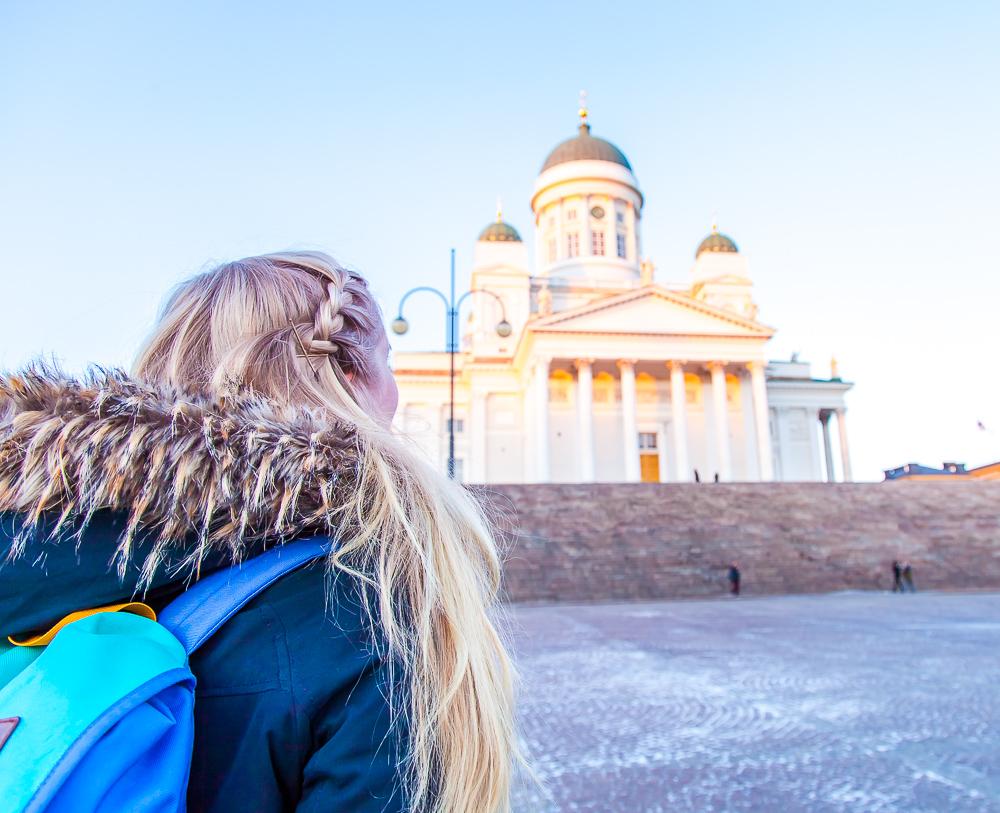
134, 607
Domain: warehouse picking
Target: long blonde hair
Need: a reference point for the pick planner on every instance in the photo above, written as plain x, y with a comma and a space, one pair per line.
299, 329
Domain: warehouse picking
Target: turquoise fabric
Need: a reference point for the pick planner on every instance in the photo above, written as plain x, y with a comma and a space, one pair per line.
15, 659
90, 666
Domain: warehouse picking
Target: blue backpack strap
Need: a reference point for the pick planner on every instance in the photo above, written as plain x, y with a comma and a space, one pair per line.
195, 615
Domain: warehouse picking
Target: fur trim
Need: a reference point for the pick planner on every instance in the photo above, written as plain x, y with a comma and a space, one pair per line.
193, 474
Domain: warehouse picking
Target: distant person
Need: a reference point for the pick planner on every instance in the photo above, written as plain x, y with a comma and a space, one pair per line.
908, 578
734, 579
716, 477
697, 477
897, 576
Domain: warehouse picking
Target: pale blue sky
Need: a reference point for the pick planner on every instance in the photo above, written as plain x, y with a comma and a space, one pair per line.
850, 148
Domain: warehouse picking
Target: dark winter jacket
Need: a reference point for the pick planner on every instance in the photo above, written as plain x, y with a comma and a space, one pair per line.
129, 482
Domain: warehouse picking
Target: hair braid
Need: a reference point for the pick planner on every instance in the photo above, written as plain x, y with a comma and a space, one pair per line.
328, 322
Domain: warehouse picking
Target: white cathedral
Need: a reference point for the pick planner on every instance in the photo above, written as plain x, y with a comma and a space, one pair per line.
608, 375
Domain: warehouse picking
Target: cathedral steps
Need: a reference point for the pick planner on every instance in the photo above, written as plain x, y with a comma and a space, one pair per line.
617, 541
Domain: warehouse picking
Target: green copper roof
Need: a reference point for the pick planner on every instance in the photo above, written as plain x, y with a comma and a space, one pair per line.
717, 242
585, 147
499, 232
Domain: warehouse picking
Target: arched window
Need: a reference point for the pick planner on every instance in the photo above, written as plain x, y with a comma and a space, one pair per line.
692, 388
560, 387
604, 388
645, 388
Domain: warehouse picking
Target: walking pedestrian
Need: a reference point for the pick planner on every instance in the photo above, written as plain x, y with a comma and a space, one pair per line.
897, 576
259, 413
908, 578
734, 579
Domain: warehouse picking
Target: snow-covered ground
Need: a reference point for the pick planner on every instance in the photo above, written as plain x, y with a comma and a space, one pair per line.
860, 702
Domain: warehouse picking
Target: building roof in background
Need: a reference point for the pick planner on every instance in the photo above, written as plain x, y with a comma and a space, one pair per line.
948, 470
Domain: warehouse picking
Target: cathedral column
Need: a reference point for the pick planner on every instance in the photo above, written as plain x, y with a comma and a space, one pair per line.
585, 417
723, 454
764, 454
678, 408
845, 456
631, 234
542, 420
629, 422
587, 235
561, 251
824, 420
477, 437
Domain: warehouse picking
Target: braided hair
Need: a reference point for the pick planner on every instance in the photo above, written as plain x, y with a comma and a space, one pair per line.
339, 331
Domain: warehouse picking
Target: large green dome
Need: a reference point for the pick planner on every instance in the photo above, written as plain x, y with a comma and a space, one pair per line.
585, 147
499, 232
717, 242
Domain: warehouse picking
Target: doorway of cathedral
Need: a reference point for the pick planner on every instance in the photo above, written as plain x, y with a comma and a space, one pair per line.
649, 457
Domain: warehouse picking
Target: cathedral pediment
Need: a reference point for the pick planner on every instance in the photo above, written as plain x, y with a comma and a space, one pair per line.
651, 310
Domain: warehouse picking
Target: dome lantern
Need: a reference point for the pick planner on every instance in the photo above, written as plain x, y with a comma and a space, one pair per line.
717, 243
498, 231
584, 146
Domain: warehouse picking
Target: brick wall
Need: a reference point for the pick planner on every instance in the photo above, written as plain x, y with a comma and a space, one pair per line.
651, 541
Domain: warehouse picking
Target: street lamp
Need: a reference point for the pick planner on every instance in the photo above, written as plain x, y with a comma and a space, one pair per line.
400, 326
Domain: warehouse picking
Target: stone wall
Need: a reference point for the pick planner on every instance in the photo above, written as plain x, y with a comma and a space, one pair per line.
604, 542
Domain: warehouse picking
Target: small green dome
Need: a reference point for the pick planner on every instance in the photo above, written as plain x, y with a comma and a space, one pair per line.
585, 147
499, 232
718, 243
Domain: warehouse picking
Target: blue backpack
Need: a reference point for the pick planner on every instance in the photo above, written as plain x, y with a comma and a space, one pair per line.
101, 719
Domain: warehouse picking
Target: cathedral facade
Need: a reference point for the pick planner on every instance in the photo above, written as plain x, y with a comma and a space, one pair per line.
605, 374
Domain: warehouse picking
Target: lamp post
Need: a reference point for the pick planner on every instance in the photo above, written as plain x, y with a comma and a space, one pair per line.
400, 326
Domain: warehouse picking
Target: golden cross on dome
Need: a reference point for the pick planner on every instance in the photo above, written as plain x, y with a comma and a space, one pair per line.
499, 211
715, 222
582, 113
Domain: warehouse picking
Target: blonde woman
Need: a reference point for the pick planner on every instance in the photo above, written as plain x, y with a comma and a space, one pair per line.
259, 412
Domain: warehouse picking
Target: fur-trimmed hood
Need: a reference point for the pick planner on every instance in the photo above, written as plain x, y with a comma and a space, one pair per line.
189, 474
163, 485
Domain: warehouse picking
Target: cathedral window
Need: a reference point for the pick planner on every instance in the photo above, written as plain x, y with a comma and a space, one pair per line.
459, 425
621, 245
647, 441
620, 217
692, 388
645, 388
597, 243
560, 387
604, 388
573, 244
571, 214
733, 391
